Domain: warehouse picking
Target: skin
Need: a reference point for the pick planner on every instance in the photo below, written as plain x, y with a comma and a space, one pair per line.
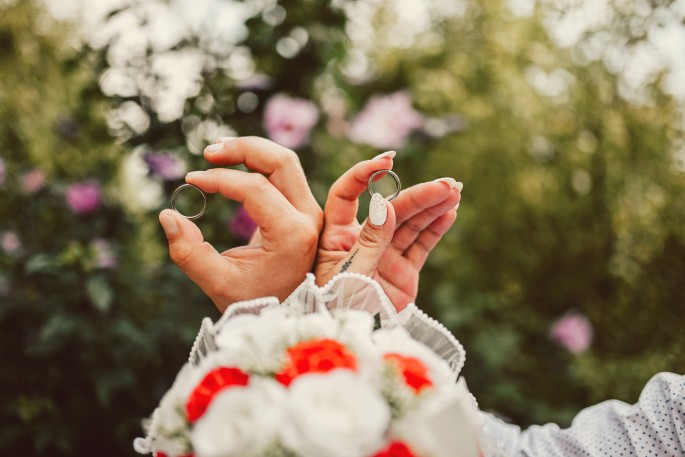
291, 225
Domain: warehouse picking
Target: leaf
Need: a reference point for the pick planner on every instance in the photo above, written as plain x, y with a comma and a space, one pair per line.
40, 263
100, 293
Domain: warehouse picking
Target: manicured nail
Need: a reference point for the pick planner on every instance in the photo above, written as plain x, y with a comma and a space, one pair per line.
378, 211
169, 223
390, 154
456, 207
449, 181
194, 174
226, 139
214, 147
460, 186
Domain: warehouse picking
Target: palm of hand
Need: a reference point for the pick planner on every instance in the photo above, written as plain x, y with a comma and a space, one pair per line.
396, 274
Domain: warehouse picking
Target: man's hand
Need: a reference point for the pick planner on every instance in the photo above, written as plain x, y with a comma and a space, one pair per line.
277, 198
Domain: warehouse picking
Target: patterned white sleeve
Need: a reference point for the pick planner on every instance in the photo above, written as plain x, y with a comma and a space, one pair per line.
654, 426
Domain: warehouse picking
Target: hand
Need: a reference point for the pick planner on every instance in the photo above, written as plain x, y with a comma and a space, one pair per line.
277, 198
394, 253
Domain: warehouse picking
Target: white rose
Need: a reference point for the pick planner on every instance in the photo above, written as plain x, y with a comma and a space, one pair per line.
446, 425
240, 421
335, 414
355, 330
316, 325
256, 343
169, 426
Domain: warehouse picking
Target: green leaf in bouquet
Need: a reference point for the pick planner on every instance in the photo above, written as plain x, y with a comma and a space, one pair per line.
99, 293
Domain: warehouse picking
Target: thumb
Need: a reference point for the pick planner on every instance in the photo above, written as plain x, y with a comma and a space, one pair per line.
187, 249
374, 238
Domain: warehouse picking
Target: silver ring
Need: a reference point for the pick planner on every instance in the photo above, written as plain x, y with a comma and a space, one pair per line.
398, 184
187, 186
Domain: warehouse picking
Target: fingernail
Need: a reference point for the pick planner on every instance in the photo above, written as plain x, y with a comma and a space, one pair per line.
460, 186
214, 147
226, 139
194, 174
378, 211
456, 207
169, 224
449, 181
390, 154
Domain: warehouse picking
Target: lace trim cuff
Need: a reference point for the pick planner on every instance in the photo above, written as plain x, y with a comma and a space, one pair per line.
344, 291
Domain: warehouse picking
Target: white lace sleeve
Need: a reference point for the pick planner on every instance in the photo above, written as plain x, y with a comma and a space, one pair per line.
344, 291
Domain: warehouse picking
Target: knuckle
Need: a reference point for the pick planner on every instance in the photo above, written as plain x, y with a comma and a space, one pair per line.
289, 158
181, 255
260, 182
370, 238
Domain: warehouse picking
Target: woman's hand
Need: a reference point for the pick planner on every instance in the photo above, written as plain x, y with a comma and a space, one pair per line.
277, 198
393, 253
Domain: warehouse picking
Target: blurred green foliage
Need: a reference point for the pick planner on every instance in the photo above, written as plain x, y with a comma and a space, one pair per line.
573, 201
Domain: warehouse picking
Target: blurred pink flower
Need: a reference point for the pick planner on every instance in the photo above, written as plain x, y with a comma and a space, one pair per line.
288, 120
104, 254
241, 225
84, 198
166, 166
10, 242
32, 181
386, 121
2, 172
572, 331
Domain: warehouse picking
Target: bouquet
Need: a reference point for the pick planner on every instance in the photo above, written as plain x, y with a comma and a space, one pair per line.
314, 377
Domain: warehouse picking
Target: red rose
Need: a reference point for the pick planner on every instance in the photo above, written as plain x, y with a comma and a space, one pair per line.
315, 356
414, 371
395, 449
215, 381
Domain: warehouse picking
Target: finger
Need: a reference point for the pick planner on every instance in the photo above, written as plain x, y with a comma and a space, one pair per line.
373, 239
261, 200
196, 258
421, 196
429, 238
342, 202
281, 166
407, 233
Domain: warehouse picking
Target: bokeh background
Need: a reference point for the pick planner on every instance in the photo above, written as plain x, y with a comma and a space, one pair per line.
564, 277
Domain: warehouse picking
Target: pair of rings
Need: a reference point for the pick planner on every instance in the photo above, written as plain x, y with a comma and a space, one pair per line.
179, 189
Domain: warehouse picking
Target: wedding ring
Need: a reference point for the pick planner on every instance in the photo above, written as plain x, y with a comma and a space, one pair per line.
394, 176
189, 186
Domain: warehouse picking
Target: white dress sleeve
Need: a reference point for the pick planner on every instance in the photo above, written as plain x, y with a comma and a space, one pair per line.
654, 426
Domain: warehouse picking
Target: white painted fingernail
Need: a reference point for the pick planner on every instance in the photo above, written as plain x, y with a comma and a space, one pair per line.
225, 139
378, 211
456, 207
449, 181
194, 174
390, 154
460, 186
214, 147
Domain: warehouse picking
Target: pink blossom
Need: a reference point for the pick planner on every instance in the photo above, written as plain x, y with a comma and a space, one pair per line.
32, 181
288, 120
2, 172
10, 242
84, 198
241, 225
386, 121
104, 254
166, 166
573, 331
